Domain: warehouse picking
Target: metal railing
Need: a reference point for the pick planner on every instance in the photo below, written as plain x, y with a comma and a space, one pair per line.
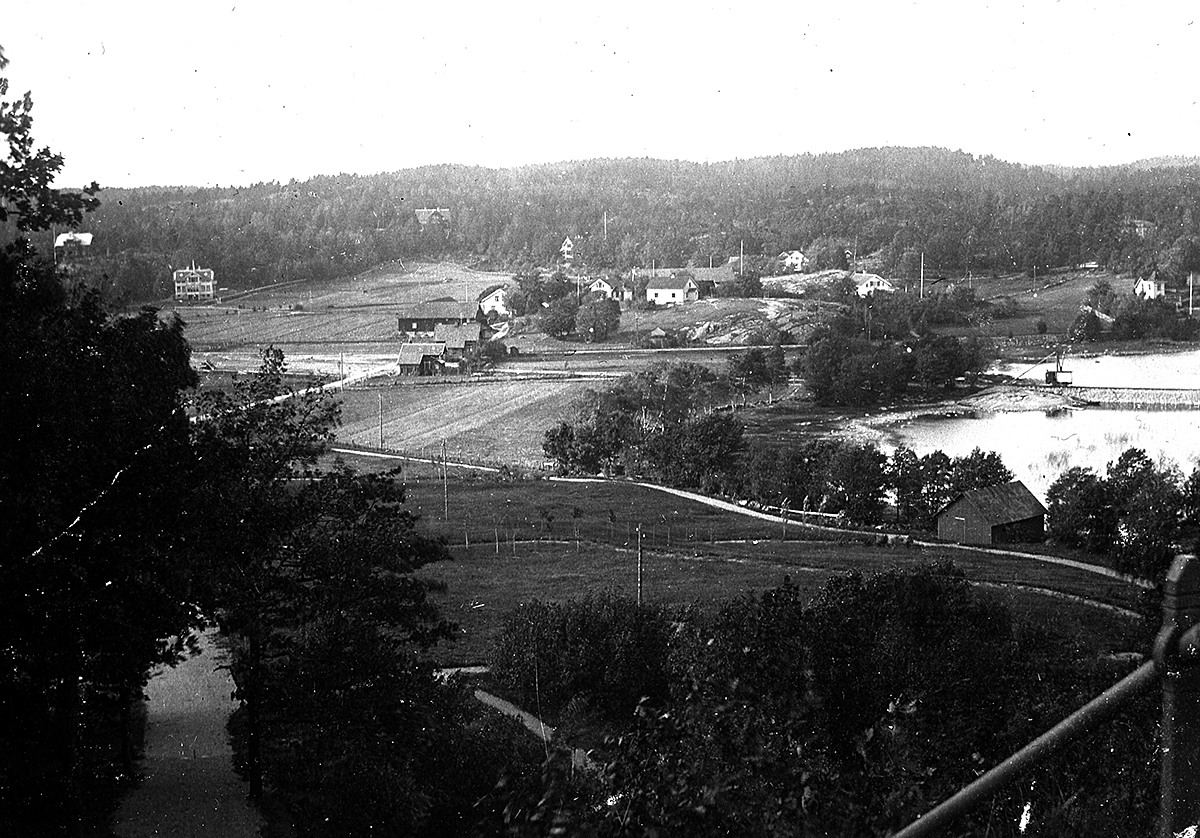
1176, 663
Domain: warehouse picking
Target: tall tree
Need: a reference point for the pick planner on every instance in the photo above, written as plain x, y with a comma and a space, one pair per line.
90, 593
257, 441
313, 579
26, 173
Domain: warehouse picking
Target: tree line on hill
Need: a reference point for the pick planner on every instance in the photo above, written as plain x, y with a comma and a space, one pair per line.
848, 711
964, 213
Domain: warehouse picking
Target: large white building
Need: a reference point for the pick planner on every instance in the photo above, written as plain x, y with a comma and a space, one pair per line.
194, 283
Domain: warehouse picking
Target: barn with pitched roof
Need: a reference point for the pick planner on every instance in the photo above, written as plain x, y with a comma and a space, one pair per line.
1004, 514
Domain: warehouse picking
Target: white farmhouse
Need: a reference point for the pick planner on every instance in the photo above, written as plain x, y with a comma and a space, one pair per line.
493, 299
1150, 288
792, 261
867, 284
670, 290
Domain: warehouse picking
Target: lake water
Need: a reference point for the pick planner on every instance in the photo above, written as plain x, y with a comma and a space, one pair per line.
1037, 448
1173, 369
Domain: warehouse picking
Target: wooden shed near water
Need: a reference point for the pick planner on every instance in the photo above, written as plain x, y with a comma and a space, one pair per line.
1004, 514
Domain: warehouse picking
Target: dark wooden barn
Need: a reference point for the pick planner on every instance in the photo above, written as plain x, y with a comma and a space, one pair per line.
1004, 514
426, 316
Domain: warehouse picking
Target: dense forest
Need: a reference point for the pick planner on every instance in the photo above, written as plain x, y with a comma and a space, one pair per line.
964, 213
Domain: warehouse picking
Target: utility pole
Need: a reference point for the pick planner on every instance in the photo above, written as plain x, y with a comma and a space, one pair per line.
445, 486
381, 421
639, 569
922, 275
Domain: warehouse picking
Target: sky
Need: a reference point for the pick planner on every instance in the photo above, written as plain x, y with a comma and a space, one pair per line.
243, 91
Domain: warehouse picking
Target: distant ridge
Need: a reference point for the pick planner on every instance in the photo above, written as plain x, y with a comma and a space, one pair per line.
1167, 162
1175, 161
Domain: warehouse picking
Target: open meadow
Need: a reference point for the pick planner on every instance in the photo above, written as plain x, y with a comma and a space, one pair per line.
483, 585
516, 540
1054, 298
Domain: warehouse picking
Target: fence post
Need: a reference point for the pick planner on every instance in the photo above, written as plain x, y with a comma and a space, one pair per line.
1178, 659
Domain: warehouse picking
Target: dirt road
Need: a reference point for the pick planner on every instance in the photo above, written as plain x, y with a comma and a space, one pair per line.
188, 786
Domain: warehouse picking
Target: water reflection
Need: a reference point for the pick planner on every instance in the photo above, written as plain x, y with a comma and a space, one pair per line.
1038, 446
1173, 369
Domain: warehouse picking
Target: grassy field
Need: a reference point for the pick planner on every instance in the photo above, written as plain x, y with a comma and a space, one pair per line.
1054, 298
514, 541
482, 585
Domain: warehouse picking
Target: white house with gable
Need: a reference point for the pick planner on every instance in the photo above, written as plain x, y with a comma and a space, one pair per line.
1150, 287
792, 261
672, 290
867, 284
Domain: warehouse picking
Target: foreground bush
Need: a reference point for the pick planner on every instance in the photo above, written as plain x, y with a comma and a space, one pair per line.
856, 712
604, 649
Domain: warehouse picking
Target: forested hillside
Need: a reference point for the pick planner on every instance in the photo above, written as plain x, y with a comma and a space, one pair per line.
964, 213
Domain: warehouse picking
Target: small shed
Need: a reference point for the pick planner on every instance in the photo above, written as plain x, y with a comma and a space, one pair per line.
460, 339
421, 358
1004, 514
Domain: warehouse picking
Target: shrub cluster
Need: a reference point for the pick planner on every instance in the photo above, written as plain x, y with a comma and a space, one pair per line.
1137, 514
851, 713
605, 650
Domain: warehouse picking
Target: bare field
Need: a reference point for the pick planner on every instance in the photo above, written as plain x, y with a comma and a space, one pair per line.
212, 330
502, 422
329, 315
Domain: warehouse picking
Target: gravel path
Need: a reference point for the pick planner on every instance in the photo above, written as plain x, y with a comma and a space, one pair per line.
188, 786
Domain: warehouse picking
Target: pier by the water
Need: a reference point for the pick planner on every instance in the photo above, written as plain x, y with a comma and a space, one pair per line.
1158, 398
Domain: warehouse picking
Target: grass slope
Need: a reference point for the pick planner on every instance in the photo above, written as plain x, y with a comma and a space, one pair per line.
523, 546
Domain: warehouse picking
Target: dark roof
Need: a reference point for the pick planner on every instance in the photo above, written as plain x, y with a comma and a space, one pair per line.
491, 289
1001, 504
456, 336
412, 354
716, 276
678, 282
439, 310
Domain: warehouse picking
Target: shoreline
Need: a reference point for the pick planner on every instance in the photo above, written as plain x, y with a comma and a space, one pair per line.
879, 428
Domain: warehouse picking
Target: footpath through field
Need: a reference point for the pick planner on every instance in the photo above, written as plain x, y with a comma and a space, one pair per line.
766, 516
188, 787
